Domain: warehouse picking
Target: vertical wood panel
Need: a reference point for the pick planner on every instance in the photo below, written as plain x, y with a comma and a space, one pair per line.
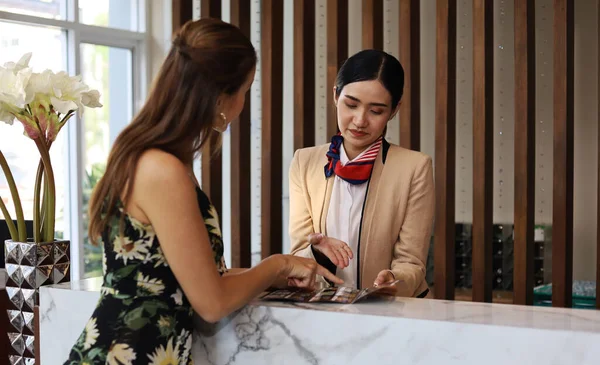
598, 193
562, 215
181, 12
337, 52
304, 73
212, 165
240, 161
410, 57
210, 8
445, 149
483, 154
372, 24
272, 115
212, 172
523, 275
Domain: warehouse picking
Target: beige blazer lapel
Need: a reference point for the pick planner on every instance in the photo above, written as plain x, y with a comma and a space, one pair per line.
369, 214
325, 205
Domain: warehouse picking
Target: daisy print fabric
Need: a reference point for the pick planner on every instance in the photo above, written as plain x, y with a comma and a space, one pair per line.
143, 316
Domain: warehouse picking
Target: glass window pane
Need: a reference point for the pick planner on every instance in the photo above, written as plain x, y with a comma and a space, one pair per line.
108, 70
20, 151
121, 14
53, 9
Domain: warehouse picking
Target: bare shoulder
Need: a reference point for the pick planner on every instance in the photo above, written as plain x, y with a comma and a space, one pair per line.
155, 166
160, 175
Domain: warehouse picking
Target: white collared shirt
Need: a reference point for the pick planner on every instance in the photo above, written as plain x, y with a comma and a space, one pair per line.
344, 216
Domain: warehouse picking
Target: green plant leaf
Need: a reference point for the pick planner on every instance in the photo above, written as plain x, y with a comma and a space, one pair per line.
125, 271
135, 319
94, 352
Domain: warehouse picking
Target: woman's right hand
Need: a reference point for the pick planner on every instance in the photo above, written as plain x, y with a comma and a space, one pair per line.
337, 251
302, 272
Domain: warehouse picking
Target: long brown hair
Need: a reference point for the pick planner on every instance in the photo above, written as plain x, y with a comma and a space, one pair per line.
208, 58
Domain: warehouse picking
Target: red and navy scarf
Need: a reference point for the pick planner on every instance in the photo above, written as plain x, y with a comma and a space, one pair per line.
355, 172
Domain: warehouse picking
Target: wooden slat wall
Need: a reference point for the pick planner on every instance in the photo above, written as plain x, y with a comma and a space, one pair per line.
523, 274
240, 162
483, 154
212, 165
337, 52
445, 128
182, 11
372, 24
562, 215
410, 57
304, 73
210, 8
272, 125
445, 149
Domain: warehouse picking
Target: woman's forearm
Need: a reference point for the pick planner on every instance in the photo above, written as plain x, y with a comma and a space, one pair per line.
240, 286
235, 271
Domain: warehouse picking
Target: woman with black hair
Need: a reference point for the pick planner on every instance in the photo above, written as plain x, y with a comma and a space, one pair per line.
360, 206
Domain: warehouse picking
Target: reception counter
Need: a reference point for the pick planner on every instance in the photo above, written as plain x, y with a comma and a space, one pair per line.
392, 331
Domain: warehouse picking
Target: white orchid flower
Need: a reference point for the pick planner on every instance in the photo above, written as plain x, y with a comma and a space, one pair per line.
21, 64
12, 91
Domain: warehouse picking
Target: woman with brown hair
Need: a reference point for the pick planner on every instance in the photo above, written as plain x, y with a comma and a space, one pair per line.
163, 252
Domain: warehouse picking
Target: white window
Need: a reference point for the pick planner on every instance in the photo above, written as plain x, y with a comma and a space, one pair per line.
105, 42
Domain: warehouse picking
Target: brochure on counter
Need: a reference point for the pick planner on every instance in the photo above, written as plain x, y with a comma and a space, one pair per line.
341, 294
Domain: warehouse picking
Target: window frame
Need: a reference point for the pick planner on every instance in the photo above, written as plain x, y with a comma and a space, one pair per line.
78, 33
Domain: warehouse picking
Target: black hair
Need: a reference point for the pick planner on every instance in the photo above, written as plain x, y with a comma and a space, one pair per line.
371, 64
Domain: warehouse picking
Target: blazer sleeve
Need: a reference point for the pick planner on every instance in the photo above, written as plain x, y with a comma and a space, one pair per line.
300, 223
412, 247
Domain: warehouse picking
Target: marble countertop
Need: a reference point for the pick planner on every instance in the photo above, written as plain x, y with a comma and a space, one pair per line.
548, 318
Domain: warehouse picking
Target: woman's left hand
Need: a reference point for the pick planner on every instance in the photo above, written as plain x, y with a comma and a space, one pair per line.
384, 277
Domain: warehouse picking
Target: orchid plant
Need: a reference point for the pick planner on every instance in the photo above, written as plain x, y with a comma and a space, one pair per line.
43, 103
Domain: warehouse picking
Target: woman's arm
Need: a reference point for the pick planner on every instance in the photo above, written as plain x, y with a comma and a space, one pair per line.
280, 282
166, 195
412, 247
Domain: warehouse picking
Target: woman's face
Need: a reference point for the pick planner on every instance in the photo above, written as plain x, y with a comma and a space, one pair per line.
363, 110
232, 105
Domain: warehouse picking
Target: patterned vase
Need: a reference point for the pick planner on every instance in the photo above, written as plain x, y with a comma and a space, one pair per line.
30, 266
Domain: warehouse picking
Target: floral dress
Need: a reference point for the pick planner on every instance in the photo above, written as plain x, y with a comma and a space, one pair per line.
143, 316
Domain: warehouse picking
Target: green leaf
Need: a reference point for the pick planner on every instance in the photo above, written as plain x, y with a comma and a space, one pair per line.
122, 296
138, 323
135, 313
109, 278
95, 352
125, 271
152, 306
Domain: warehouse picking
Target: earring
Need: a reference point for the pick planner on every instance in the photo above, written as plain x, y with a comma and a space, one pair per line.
222, 127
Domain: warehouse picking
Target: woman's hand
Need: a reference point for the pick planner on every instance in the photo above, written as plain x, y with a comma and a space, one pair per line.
301, 272
337, 251
385, 277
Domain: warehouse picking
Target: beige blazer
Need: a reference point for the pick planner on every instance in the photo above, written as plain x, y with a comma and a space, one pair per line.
398, 213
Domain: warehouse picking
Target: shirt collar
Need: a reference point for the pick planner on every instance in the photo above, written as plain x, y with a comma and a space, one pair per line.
344, 157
